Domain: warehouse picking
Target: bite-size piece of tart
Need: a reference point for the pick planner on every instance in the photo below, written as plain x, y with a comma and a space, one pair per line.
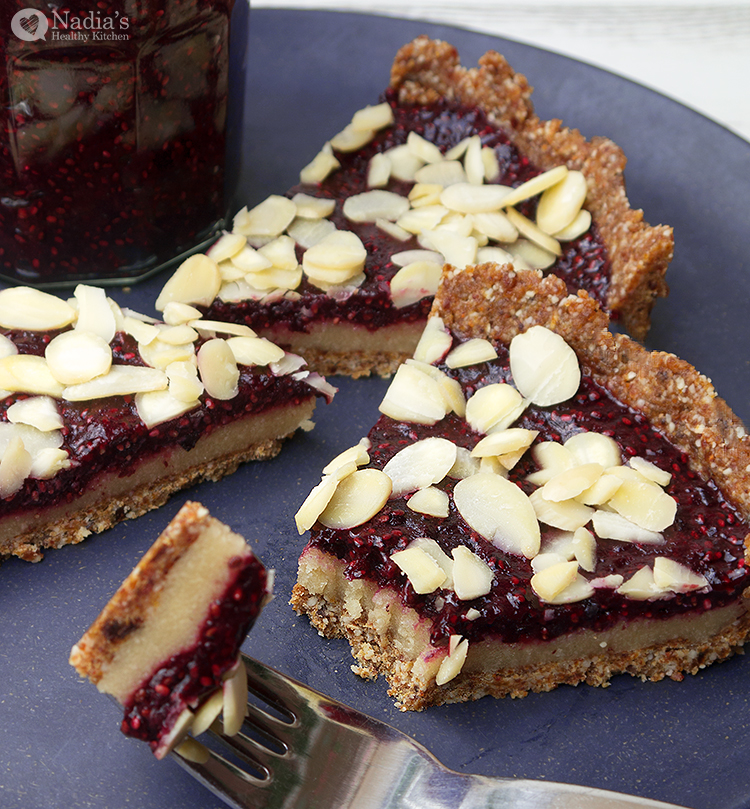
105, 413
541, 502
167, 644
452, 166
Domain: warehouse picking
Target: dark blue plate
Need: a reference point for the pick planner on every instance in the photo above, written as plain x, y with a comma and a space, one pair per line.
680, 742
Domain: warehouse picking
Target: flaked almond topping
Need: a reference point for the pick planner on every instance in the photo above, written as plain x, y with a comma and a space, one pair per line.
227, 246
176, 314
158, 406
335, 259
120, 380
350, 139
641, 586
576, 228
218, 368
474, 161
254, 350
568, 515
358, 454
207, 713
269, 218
450, 388
413, 396
143, 333
465, 465
572, 482
559, 204
424, 149
431, 501
442, 174
33, 310
545, 368
420, 464
472, 576
40, 412
177, 335
309, 207
494, 407
307, 232
536, 185
158, 354
404, 163
280, 252
534, 234
414, 282
7, 347
392, 229
197, 280
28, 373
527, 255
234, 705
35, 441
553, 458
434, 343
357, 498
673, 576
471, 352
15, 467
550, 581
452, 664
421, 220
315, 503
47, 462
601, 491
184, 383
584, 549
422, 194
94, 312
378, 170
642, 502
495, 255
424, 574
495, 225
410, 256
320, 166
275, 279
376, 204
650, 471
512, 440
247, 260
610, 525
592, 447
499, 511
456, 249
470, 198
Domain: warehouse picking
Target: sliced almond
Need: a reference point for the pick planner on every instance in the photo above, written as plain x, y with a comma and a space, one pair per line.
121, 380
350, 139
465, 465
234, 692
197, 280
414, 397
309, 207
336, 258
15, 467
610, 525
601, 491
410, 256
568, 515
525, 253
280, 252
218, 369
423, 219
320, 166
227, 246
443, 173
671, 575
650, 471
552, 458
33, 310
248, 260
470, 198
184, 383
496, 226
270, 218
7, 347
424, 574
491, 164
450, 668
592, 447
579, 589
143, 333
471, 352
494, 255
78, 356
94, 312
393, 230
545, 368
254, 350
177, 314
40, 412
422, 194
376, 204
378, 170
576, 228
315, 503
434, 343
534, 234
414, 282
512, 440
35, 441
28, 373
472, 576
549, 582
47, 462
178, 335
210, 328
424, 149
494, 407
307, 232
645, 504
208, 712
159, 354
641, 586
404, 163
571, 482
499, 511
474, 161
536, 185
450, 388
430, 501
456, 249
358, 498
559, 204
420, 464
584, 548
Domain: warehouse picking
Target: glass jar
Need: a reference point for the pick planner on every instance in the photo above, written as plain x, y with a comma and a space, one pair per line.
113, 128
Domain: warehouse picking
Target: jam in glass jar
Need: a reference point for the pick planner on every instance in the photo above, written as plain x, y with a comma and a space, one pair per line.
113, 128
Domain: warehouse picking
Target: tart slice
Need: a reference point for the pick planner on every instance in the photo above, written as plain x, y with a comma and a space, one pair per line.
541, 502
166, 646
452, 166
105, 413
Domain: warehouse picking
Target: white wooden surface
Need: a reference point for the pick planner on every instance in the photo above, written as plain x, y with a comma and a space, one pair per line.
695, 52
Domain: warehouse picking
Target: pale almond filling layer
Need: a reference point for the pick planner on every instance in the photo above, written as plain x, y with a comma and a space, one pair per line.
399, 338
172, 625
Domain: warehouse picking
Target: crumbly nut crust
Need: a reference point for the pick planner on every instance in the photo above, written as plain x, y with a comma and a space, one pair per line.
426, 70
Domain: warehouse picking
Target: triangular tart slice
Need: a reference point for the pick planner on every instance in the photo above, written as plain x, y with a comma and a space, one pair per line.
541, 502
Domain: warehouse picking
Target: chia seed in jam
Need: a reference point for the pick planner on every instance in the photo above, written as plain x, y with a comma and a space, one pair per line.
107, 435
186, 679
707, 535
583, 265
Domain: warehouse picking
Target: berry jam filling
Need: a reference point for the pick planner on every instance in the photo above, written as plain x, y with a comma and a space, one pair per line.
707, 535
583, 264
107, 435
187, 678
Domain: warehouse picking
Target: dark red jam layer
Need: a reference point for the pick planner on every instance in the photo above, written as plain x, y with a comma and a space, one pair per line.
188, 678
107, 435
583, 264
707, 535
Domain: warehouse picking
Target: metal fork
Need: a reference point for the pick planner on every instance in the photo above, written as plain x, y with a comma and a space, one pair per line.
315, 753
